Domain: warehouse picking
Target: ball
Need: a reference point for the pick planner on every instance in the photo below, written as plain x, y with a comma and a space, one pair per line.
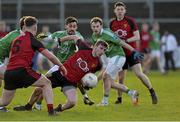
89, 80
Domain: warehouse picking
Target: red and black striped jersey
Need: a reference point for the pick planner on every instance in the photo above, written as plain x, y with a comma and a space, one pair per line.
81, 63
22, 51
124, 29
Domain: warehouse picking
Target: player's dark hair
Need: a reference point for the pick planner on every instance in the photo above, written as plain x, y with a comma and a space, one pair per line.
21, 22
70, 19
96, 19
30, 20
102, 42
119, 4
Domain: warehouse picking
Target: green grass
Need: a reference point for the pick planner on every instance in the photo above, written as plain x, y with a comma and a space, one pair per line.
168, 108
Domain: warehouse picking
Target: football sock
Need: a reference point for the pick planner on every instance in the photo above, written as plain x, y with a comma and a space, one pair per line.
39, 102
119, 99
106, 98
151, 91
130, 92
50, 107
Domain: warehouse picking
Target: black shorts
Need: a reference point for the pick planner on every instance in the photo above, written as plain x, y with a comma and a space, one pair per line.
19, 78
57, 80
130, 61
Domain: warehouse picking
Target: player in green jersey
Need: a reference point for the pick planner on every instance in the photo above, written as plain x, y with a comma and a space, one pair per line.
115, 61
155, 46
67, 45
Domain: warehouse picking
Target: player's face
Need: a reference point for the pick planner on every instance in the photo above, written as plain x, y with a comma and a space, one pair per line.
96, 27
145, 27
99, 50
34, 29
71, 28
156, 27
119, 11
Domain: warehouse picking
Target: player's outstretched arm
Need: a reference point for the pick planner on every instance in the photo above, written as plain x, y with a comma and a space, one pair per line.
69, 37
135, 37
127, 46
54, 60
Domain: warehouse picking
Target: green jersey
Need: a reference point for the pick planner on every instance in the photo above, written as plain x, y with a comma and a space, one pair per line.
113, 41
154, 44
5, 43
66, 48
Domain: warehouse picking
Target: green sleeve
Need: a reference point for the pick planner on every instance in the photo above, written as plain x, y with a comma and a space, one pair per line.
57, 34
79, 35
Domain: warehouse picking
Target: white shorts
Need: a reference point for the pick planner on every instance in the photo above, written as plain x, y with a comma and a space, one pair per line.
155, 53
115, 65
53, 69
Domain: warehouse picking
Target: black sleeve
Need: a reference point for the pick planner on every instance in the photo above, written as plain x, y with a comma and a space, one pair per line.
98, 68
36, 45
111, 22
83, 45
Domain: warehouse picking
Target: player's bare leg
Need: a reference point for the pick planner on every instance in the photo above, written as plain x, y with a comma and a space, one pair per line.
38, 104
2, 71
146, 63
6, 98
107, 86
132, 93
37, 93
71, 99
45, 84
121, 75
145, 80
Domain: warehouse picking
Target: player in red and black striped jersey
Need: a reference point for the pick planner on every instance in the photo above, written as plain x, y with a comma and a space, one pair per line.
126, 28
144, 47
19, 71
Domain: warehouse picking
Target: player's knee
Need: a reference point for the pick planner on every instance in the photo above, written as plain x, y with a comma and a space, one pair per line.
106, 76
72, 103
5, 103
113, 85
121, 80
47, 83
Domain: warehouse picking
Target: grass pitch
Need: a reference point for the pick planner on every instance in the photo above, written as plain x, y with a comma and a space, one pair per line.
168, 108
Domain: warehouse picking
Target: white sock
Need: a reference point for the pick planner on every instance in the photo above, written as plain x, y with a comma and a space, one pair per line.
1, 107
130, 92
106, 99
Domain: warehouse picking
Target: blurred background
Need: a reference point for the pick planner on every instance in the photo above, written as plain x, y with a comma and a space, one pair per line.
53, 12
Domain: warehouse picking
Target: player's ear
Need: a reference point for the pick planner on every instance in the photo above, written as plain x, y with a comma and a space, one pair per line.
114, 10
65, 27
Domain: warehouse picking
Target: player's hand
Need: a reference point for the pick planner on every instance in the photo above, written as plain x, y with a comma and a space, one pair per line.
138, 55
74, 37
41, 36
87, 101
63, 70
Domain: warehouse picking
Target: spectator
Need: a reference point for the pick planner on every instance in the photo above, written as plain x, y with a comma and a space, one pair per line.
169, 45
